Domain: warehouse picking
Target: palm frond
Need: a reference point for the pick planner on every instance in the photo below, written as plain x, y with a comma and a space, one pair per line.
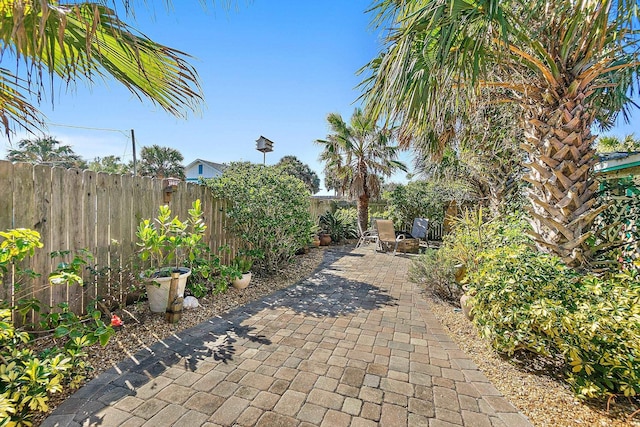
88, 40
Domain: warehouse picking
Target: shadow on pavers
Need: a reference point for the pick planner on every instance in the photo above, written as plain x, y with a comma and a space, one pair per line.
323, 294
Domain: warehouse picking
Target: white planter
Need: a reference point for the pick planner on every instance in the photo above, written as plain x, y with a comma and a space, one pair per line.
158, 290
242, 283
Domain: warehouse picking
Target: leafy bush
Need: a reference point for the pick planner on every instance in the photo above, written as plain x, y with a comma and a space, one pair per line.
437, 274
268, 210
168, 242
422, 199
525, 300
340, 225
617, 229
473, 233
26, 377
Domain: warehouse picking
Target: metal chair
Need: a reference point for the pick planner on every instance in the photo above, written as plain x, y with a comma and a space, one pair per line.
387, 235
420, 231
367, 236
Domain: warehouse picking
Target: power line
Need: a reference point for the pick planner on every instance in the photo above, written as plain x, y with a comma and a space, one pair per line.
124, 132
127, 134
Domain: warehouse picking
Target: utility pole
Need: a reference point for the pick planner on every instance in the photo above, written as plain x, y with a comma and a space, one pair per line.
133, 143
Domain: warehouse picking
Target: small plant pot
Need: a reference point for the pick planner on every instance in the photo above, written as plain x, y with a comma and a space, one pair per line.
465, 304
325, 239
159, 295
316, 242
243, 282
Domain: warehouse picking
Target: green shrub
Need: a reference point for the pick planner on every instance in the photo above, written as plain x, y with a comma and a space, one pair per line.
27, 378
437, 274
169, 243
268, 210
340, 225
526, 300
473, 233
422, 199
616, 241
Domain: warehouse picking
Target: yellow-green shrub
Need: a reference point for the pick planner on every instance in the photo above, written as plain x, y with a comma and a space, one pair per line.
526, 300
28, 378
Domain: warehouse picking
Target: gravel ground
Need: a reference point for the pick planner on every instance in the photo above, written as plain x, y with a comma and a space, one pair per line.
142, 328
547, 401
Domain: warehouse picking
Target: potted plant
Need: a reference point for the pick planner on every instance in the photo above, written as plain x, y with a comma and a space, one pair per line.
315, 238
242, 264
166, 243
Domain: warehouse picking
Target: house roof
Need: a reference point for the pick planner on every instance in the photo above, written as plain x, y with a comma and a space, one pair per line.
618, 164
219, 166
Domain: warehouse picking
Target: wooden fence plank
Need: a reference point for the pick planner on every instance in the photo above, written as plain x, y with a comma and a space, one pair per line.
89, 207
127, 234
75, 233
115, 235
59, 242
157, 194
102, 231
6, 218
23, 217
41, 261
6, 195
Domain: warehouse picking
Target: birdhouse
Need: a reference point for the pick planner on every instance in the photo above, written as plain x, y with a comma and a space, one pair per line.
263, 144
169, 186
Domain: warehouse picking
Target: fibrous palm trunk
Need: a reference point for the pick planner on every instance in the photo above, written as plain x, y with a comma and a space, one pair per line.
562, 190
363, 211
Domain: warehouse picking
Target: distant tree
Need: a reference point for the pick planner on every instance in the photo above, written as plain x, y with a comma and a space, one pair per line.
331, 182
109, 164
161, 162
294, 167
482, 150
359, 154
609, 144
46, 150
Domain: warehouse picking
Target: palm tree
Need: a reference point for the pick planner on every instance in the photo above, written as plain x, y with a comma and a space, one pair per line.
84, 41
359, 154
46, 150
161, 162
566, 64
109, 164
608, 144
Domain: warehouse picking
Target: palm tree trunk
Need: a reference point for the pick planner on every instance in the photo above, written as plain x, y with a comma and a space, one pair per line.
363, 211
562, 190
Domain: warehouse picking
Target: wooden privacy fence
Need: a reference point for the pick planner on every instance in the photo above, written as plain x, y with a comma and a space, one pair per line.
73, 210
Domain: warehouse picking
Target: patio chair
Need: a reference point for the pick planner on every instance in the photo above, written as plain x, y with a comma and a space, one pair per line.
420, 230
367, 236
387, 236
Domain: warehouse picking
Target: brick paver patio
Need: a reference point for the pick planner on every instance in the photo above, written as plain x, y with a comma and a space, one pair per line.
353, 345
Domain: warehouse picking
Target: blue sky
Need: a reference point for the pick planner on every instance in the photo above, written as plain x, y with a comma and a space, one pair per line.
269, 68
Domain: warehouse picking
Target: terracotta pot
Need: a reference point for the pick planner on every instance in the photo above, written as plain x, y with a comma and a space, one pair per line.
325, 239
316, 242
242, 283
